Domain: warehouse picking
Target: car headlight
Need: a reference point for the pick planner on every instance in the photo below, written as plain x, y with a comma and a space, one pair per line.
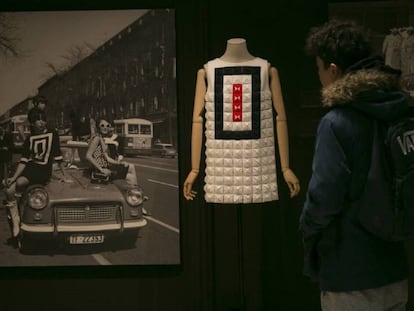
134, 197
37, 198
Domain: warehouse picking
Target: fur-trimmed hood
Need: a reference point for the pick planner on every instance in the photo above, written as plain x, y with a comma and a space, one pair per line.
373, 91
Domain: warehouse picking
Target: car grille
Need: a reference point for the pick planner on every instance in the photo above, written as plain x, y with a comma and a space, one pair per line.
85, 213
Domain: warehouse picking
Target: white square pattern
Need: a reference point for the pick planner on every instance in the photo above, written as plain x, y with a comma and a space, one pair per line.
240, 170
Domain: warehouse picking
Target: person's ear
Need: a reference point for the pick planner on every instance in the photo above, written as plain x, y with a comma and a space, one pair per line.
334, 70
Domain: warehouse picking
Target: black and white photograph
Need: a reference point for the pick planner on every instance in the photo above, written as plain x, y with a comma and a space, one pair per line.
88, 138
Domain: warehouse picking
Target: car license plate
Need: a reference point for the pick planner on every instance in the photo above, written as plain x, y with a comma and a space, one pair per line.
86, 238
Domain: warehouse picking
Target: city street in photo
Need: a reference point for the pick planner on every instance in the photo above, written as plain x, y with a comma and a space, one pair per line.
92, 96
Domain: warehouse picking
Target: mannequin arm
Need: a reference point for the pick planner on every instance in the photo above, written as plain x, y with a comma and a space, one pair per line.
282, 133
196, 135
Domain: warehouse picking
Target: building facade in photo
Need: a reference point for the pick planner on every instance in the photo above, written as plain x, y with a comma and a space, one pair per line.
132, 75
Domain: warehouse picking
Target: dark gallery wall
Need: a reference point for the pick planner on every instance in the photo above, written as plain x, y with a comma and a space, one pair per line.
272, 259
232, 257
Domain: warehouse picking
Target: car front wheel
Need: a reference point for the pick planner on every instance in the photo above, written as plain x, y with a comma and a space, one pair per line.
129, 240
25, 244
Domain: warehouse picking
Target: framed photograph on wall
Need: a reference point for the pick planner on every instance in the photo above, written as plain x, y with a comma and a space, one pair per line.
104, 81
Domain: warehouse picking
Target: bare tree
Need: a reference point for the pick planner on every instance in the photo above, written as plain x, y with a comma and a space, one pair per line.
9, 38
77, 53
52, 69
73, 56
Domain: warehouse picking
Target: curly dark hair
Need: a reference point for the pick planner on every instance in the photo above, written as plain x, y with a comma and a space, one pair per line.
342, 42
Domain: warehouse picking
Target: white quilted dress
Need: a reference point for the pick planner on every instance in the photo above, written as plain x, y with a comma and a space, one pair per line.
240, 147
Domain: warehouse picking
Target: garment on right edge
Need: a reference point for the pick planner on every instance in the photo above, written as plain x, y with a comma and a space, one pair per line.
407, 55
392, 50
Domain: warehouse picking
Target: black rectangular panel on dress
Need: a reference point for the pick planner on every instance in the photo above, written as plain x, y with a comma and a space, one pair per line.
254, 133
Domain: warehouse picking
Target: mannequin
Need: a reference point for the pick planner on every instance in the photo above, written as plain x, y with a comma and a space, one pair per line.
236, 51
237, 54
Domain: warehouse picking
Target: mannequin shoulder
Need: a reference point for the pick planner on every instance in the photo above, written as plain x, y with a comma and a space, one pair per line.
273, 71
201, 72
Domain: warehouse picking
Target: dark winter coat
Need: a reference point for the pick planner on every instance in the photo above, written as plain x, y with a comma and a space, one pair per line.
339, 253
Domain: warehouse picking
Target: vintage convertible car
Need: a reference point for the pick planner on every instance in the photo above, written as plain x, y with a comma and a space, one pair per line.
82, 211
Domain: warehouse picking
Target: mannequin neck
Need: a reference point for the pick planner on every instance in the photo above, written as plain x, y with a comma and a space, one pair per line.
236, 51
